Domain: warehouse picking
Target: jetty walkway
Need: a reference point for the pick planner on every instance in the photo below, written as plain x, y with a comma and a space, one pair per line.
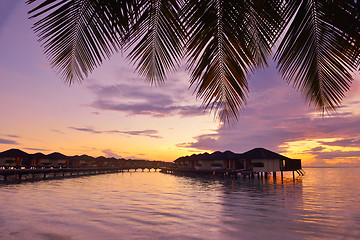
33, 174
231, 173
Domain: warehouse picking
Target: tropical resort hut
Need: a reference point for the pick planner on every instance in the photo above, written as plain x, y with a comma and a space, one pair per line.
57, 159
38, 159
82, 161
256, 161
13, 158
214, 161
264, 161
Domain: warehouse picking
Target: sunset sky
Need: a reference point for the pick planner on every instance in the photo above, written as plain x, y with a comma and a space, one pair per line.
116, 113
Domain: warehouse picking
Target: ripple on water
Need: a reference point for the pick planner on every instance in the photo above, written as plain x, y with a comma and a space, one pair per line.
322, 204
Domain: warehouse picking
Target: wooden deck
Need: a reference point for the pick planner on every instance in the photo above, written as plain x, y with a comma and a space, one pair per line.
216, 172
11, 175
226, 172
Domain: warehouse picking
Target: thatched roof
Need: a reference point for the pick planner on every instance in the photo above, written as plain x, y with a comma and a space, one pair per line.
262, 153
56, 155
213, 156
83, 157
38, 155
256, 153
14, 153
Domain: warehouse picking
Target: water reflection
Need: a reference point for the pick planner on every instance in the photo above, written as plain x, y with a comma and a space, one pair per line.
322, 204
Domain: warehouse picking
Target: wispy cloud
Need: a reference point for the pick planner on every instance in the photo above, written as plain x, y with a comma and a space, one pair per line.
8, 141
57, 131
338, 154
12, 136
140, 99
276, 114
110, 153
89, 130
350, 142
36, 149
149, 108
146, 133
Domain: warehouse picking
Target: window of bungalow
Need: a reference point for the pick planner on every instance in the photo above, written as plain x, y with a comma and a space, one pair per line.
258, 164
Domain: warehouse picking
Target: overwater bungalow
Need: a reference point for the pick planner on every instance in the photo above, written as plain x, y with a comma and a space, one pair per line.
13, 158
265, 161
38, 159
57, 159
214, 161
83, 161
256, 161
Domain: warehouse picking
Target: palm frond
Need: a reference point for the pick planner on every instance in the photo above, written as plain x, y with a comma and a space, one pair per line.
320, 50
157, 39
78, 34
228, 40
224, 42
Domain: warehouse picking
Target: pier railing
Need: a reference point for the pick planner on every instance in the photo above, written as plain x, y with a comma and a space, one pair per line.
19, 173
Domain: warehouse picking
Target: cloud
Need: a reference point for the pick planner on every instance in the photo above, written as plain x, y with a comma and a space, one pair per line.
316, 149
339, 155
275, 115
13, 136
57, 131
150, 109
89, 130
110, 153
141, 99
257, 131
350, 142
8, 141
203, 142
146, 133
36, 149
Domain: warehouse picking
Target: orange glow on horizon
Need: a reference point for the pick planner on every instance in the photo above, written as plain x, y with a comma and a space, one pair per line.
307, 150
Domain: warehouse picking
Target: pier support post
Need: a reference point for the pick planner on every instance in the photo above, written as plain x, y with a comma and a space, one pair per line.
266, 175
294, 176
274, 174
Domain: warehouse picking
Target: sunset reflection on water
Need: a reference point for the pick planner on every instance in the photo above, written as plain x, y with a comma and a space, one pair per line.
149, 205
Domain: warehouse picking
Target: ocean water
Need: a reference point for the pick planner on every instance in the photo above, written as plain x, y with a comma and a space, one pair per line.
323, 204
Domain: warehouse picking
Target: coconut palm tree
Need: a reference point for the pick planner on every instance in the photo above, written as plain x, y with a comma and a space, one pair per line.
316, 43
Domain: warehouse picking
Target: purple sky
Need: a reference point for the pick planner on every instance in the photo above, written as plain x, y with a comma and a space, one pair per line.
116, 113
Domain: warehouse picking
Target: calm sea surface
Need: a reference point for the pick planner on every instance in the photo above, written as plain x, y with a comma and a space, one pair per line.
324, 204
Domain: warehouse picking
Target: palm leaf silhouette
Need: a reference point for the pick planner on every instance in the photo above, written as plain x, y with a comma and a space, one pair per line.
320, 50
223, 42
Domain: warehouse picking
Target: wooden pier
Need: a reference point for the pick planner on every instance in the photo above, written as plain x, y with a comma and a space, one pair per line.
217, 172
14, 174
227, 173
